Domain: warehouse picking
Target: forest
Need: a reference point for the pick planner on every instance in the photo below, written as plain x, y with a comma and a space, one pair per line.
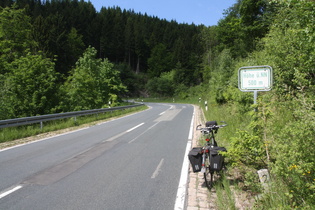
63, 55
138, 48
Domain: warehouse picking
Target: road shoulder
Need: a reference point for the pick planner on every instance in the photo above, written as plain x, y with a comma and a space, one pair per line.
199, 197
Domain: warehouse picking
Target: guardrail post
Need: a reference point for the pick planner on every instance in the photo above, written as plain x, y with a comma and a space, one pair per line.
41, 125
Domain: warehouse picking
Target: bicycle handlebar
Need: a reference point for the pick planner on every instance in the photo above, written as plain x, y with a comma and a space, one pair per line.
210, 127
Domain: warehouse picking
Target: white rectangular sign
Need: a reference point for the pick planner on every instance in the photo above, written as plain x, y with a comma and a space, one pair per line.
255, 78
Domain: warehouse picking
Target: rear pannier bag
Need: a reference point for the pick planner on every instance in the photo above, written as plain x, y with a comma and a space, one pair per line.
216, 159
195, 158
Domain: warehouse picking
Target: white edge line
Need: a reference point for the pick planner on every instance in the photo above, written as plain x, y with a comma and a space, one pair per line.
137, 126
182, 186
191, 130
2, 195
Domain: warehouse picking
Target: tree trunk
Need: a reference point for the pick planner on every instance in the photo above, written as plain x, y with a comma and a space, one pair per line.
138, 66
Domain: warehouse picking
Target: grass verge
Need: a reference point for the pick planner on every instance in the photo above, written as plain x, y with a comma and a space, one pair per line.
225, 196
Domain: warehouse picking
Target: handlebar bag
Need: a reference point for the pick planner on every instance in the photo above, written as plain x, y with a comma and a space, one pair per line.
216, 159
210, 123
195, 158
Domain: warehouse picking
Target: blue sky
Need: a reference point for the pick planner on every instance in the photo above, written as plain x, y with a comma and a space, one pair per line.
206, 12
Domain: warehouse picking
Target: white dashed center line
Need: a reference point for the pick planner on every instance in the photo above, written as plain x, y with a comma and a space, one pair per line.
2, 195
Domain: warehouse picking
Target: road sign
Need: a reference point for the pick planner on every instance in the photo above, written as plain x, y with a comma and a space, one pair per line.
255, 78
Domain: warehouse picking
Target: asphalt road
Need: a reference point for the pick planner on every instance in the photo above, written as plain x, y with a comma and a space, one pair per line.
132, 162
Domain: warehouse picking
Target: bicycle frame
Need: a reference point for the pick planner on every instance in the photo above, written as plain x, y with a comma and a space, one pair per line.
210, 142
210, 138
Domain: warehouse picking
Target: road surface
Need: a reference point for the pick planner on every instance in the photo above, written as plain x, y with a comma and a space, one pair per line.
133, 162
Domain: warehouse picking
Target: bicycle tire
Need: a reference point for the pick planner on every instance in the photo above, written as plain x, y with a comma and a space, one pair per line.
208, 176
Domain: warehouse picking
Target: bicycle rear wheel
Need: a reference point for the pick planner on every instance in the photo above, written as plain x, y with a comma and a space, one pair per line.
208, 176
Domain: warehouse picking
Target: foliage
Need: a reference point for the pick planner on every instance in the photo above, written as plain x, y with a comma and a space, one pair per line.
31, 86
276, 197
28, 78
74, 46
148, 45
292, 38
162, 86
133, 82
289, 47
15, 35
225, 197
294, 161
246, 149
160, 61
166, 59
93, 84
244, 23
279, 135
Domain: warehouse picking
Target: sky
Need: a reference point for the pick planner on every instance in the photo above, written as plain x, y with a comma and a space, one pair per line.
206, 12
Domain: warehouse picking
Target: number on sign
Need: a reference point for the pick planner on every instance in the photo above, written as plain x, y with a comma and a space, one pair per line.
252, 82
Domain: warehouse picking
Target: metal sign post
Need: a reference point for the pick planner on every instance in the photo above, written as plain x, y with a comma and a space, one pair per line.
254, 79
255, 96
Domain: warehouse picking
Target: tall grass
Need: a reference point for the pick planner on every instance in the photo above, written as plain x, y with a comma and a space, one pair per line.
275, 197
231, 116
225, 196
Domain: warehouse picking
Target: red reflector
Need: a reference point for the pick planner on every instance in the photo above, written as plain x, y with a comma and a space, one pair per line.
207, 139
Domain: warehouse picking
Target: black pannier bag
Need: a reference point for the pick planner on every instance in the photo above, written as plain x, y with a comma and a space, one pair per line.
195, 158
216, 159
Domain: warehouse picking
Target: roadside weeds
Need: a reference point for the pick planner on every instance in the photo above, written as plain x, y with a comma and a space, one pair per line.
199, 197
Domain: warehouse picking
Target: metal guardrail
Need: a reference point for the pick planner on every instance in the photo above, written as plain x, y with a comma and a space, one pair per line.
43, 118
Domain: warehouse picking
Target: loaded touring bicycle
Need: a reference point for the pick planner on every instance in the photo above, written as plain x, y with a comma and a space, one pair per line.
207, 159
